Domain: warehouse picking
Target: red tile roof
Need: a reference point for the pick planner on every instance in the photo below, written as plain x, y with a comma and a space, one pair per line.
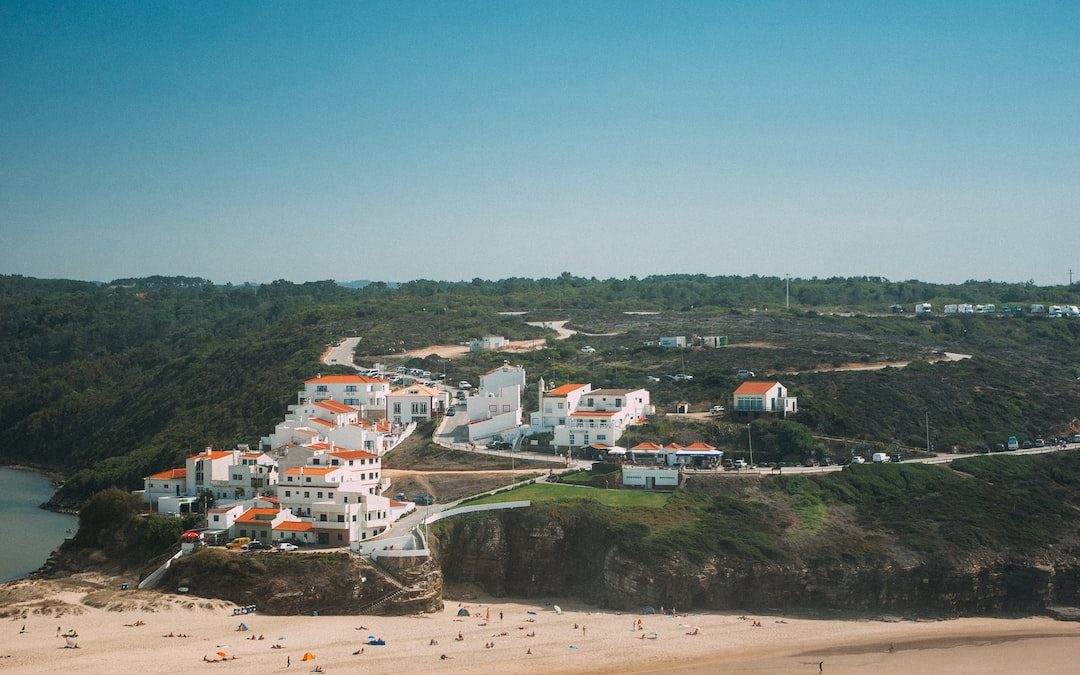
344, 379
311, 470
755, 388
394, 502
334, 407
316, 420
295, 526
647, 446
216, 454
171, 474
698, 445
252, 515
353, 454
564, 390
589, 413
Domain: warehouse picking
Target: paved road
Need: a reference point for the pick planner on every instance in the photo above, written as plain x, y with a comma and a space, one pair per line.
940, 459
342, 354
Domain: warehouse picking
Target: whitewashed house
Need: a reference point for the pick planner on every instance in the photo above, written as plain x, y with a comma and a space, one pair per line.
601, 416
764, 397
416, 403
496, 406
488, 343
168, 483
556, 405
366, 394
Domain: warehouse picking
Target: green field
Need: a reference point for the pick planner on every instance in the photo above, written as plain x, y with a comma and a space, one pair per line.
568, 494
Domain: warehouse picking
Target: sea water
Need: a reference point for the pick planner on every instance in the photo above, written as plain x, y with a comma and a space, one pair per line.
28, 533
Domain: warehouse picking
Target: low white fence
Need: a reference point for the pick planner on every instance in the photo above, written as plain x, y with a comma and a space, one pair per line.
155, 576
476, 509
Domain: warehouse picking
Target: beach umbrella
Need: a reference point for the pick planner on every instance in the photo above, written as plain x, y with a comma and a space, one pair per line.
558, 610
222, 654
308, 656
243, 627
463, 612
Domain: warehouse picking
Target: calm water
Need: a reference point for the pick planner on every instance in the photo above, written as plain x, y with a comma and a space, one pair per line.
27, 534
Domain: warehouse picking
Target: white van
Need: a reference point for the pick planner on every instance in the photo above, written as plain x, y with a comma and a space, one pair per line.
880, 457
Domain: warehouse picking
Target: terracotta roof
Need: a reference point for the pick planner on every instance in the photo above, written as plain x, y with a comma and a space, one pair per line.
647, 446
334, 407
415, 390
344, 379
294, 526
674, 446
311, 470
353, 454
755, 388
316, 420
252, 455
252, 515
319, 446
170, 474
590, 413
216, 454
698, 445
564, 390
394, 502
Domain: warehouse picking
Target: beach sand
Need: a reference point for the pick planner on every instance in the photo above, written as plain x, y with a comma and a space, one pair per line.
609, 643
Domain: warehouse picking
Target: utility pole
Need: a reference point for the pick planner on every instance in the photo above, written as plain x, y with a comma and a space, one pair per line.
750, 442
787, 291
928, 431
1070, 276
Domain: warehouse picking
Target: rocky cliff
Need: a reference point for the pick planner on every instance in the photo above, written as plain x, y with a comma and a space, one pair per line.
547, 551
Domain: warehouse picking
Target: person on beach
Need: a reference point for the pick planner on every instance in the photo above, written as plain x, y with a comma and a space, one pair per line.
288, 661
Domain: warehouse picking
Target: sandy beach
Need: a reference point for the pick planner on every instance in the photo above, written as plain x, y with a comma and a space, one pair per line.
128, 631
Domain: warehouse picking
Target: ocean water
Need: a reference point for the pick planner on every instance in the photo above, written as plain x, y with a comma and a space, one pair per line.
28, 534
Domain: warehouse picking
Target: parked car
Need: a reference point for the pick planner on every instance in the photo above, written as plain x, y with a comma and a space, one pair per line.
1027, 445
286, 547
254, 545
450, 412
588, 350
500, 445
682, 377
716, 410
1000, 447
423, 500
741, 464
238, 543
464, 385
652, 378
743, 374
1040, 443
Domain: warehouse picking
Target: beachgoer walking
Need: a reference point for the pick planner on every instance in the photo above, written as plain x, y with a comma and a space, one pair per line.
582, 630
288, 661
500, 616
820, 666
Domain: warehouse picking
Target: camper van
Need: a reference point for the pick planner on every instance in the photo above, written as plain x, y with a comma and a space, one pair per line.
923, 308
880, 457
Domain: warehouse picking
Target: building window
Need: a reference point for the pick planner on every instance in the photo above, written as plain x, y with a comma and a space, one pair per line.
589, 402
319, 494
341, 518
288, 493
571, 439
560, 405
306, 494
339, 536
601, 437
321, 388
397, 408
350, 387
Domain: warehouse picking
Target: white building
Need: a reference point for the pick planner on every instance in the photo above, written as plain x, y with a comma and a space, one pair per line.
556, 405
764, 397
415, 403
366, 394
228, 475
495, 408
601, 416
331, 422
488, 343
650, 477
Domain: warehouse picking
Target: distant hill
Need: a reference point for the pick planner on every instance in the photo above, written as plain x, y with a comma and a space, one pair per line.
362, 283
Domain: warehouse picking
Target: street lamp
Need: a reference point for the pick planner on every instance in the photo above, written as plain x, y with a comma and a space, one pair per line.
750, 442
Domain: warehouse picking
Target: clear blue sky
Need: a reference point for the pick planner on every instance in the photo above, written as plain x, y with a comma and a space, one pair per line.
445, 140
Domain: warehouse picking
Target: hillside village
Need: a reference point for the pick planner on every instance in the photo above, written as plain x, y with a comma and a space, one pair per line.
317, 477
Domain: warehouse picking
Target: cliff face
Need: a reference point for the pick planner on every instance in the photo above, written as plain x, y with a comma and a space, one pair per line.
544, 552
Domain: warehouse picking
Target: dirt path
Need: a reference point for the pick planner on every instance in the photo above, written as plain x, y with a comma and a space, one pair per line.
946, 357
454, 351
390, 473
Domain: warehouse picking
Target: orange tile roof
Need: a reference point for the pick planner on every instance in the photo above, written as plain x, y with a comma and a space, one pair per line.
334, 407
316, 420
698, 445
673, 446
383, 425
415, 390
755, 388
170, 474
252, 515
590, 413
353, 454
251, 455
294, 526
394, 502
319, 446
647, 446
216, 454
344, 379
311, 470
564, 390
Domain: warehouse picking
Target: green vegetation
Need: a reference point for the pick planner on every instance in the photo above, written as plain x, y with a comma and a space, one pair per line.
109, 383
545, 493
109, 522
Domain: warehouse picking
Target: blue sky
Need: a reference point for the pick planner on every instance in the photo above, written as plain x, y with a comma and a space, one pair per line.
257, 141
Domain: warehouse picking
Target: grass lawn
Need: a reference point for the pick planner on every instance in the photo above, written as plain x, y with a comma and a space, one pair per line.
562, 494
